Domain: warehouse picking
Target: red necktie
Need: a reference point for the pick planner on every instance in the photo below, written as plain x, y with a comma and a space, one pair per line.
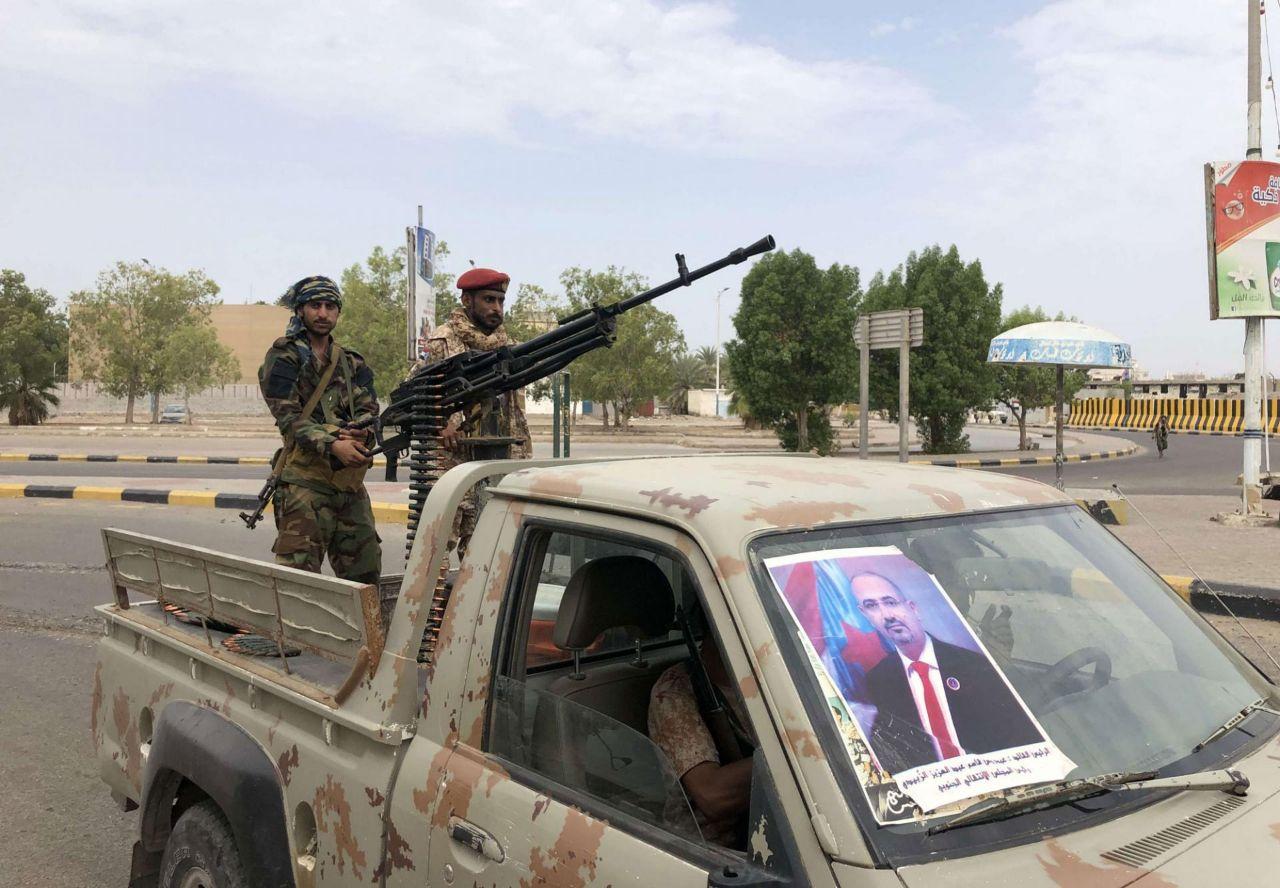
937, 722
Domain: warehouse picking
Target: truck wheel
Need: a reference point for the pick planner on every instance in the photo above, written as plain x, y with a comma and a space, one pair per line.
201, 852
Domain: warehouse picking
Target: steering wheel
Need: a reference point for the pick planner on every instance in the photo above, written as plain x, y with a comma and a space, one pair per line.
1056, 677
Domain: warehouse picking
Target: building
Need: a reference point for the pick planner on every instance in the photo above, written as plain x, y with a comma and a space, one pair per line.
1187, 387
249, 330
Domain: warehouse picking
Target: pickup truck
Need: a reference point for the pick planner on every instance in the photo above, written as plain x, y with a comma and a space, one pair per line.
496, 725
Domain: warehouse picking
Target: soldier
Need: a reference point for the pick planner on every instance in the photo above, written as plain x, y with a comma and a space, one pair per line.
477, 326
312, 386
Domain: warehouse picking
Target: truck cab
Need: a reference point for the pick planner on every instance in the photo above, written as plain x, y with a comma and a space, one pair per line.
497, 725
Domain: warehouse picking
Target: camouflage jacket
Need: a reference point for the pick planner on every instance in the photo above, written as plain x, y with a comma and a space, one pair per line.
287, 378
460, 334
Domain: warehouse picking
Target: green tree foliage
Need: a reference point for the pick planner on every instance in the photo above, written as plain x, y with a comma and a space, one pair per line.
33, 350
949, 374
794, 355
688, 372
1023, 387
195, 360
446, 293
638, 366
373, 316
534, 311
122, 327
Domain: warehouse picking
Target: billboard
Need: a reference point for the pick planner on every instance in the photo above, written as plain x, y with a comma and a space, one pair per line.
1242, 200
422, 294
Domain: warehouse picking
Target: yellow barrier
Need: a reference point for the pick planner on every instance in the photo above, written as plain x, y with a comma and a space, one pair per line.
1223, 416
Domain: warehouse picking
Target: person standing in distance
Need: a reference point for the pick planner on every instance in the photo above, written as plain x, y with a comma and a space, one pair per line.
477, 325
312, 386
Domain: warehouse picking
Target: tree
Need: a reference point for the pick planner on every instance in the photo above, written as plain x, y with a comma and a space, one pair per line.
195, 360
33, 350
638, 366
688, 372
373, 315
794, 355
949, 374
121, 328
1023, 387
446, 294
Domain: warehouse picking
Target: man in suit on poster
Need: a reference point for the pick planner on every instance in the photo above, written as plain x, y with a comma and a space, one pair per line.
934, 700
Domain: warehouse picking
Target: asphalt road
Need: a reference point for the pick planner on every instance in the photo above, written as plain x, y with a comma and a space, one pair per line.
1193, 464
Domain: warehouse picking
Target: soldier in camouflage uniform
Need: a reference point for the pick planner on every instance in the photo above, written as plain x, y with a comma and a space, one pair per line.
477, 326
321, 505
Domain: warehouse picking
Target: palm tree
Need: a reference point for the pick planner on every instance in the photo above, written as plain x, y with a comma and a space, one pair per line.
28, 401
688, 372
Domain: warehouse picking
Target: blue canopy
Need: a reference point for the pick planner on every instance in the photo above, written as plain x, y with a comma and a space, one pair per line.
1060, 342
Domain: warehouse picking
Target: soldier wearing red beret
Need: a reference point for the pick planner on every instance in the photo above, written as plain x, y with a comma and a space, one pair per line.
477, 326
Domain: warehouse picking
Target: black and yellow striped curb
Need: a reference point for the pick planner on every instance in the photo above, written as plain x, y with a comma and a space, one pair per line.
1009, 461
211, 499
136, 458
1257, 602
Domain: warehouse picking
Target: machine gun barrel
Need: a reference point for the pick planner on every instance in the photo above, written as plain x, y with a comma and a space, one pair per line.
421, 405
471, 376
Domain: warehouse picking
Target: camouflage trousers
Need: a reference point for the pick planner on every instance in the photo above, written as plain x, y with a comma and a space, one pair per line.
310, 524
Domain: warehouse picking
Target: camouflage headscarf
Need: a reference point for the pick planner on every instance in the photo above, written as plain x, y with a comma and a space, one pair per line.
307, 290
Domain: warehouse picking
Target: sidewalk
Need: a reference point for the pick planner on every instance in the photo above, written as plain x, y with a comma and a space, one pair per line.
1233, 557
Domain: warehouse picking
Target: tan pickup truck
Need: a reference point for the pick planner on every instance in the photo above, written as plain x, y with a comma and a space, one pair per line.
932, 677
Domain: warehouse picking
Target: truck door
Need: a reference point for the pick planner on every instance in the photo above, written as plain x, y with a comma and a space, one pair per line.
553, 778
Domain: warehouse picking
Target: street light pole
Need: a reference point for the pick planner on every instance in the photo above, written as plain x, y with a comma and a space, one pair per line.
718, 295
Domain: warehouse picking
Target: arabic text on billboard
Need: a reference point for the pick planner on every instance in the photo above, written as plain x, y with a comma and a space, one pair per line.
1244, 227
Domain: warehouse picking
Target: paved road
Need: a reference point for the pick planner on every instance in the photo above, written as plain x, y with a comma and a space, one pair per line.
51, 556
1195, 465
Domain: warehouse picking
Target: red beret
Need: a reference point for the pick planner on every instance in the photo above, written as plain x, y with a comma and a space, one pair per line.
484, 279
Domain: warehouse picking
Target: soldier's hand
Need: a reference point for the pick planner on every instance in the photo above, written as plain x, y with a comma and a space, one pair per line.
450, 436
350, 453
361, 435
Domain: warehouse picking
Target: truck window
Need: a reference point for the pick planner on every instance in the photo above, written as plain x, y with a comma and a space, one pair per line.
563, 554
587, 649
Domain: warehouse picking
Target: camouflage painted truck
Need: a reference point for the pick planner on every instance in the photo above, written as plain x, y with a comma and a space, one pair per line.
1073, 722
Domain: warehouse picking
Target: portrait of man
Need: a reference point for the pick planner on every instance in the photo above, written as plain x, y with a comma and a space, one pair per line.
933, 700
909, 668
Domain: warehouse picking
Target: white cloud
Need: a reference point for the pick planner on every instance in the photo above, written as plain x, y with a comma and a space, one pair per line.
633, 70
1093, 201
883, 29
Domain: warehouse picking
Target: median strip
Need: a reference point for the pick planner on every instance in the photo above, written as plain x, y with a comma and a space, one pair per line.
390, 512
1009, 461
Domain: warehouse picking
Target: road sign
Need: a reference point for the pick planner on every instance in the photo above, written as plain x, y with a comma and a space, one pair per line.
902, 329
886, 328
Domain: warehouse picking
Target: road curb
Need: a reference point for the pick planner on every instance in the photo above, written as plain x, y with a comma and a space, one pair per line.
1006, 462
210, 499
1257, 602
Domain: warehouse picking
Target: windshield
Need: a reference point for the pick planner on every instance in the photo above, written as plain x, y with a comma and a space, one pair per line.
962, 657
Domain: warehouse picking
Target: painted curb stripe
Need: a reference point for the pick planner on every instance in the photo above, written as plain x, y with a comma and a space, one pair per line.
140, 458
978, 463
96, 493
393, 512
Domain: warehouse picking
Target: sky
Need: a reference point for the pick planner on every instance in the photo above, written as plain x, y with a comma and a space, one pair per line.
1061, 143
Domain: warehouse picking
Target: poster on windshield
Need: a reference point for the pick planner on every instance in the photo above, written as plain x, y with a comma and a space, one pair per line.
1243, 210
927, 716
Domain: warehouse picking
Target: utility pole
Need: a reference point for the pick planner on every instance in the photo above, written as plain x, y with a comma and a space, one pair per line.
1249, 481
718, 295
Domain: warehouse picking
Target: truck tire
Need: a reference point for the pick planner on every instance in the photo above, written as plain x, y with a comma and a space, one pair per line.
201, 852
